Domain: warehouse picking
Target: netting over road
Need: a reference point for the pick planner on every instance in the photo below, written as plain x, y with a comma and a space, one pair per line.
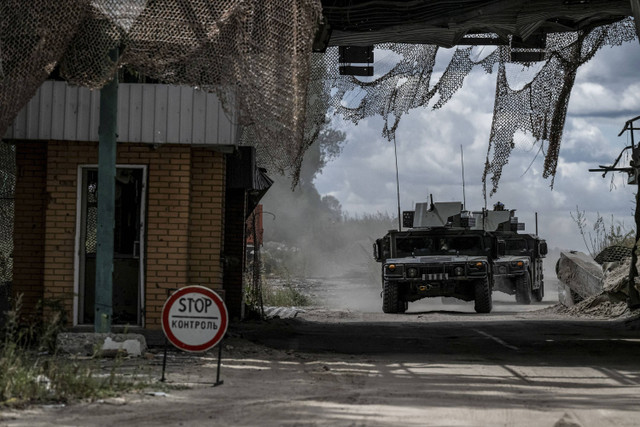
536, 107
253, 53
256, 55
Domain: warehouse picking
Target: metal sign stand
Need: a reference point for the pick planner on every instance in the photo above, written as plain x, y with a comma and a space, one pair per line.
164, 358
218, 381
164, 364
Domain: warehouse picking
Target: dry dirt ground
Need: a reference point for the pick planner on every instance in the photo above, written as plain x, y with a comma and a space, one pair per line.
351, 365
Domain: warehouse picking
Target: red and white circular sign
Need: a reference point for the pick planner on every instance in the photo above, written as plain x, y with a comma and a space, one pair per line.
194, 318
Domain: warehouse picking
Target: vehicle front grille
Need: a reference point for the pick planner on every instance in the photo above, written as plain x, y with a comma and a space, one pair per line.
435, 276
433, 272
432, 269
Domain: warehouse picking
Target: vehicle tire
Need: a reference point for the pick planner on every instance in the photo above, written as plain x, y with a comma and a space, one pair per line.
483, 302
523, 289
390, 300
538, 294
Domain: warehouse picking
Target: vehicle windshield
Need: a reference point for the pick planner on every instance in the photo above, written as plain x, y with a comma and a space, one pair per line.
516, 246
437, 245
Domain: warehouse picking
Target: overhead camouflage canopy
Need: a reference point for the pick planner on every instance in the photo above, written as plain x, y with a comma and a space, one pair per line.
568, 34
537, 107
256, 55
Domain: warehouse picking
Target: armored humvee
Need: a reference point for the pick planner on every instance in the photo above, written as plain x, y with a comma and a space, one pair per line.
439, 255
519, 270
450, 252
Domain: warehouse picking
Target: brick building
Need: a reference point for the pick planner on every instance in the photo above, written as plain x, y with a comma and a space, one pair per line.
183, 192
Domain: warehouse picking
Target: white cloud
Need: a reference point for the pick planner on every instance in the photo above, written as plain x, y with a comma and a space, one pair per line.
591, 98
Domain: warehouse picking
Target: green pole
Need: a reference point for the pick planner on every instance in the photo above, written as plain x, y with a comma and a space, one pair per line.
107, 134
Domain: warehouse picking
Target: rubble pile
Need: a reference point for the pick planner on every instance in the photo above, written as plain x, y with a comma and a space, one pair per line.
588, 289
603, 305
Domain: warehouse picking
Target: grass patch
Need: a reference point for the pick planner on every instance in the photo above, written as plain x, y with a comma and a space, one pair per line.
286, 295
31, 372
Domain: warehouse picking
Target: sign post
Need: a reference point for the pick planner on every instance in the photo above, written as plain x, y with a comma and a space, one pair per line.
195, 319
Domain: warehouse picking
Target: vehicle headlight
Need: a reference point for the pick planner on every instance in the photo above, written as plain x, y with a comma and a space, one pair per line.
517, 264
412, 272
394, 269
477, 266
458, 271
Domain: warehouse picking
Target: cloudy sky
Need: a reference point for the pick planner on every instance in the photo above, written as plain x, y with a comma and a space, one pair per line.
606, 94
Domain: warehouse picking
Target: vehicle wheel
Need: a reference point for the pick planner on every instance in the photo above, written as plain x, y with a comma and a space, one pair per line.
538, 294
523, 289
390, 300
483, 301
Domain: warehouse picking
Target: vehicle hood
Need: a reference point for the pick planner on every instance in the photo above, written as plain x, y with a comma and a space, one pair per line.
435, 259
509, 258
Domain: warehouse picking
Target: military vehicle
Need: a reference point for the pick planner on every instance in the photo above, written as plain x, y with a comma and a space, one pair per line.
519, 270
450, 252
439, 255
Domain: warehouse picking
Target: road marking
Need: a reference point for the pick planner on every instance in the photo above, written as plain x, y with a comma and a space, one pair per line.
496, 339
517, 374
617, 376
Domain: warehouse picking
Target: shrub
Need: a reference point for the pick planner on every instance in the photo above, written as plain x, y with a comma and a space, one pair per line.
31, 372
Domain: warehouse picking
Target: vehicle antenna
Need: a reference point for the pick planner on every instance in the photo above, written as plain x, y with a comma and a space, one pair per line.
464, 199
395, 152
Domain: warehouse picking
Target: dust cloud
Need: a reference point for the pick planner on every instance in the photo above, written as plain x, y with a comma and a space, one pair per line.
310, 242
308, 236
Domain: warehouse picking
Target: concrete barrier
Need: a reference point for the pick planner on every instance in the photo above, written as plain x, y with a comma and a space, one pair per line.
89, 344
580, 275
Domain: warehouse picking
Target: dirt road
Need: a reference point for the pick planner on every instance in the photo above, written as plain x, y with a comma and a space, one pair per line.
437, 365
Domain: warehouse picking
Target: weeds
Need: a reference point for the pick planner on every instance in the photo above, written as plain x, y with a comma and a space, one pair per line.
286, 295
31, 372
603, 235
276, 295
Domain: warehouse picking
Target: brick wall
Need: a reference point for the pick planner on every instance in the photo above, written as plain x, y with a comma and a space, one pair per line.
167, 224
183, 240
61, 186
206, 218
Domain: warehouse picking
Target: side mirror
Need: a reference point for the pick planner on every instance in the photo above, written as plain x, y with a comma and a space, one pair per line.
542, 248
377, 251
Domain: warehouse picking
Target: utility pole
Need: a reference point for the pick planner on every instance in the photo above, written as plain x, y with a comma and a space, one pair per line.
633, 171
634, 296
107, 135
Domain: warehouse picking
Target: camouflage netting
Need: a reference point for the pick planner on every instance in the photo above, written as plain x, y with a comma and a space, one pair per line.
7, 187
255, 55
537, 107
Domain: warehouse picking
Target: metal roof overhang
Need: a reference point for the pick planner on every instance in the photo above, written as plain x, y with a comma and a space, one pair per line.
447, 22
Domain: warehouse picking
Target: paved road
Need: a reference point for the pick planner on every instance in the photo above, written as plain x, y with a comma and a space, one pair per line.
443, 364
456, 368
438, 365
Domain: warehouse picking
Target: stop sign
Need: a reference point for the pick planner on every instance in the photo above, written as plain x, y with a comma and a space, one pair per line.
194, 318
